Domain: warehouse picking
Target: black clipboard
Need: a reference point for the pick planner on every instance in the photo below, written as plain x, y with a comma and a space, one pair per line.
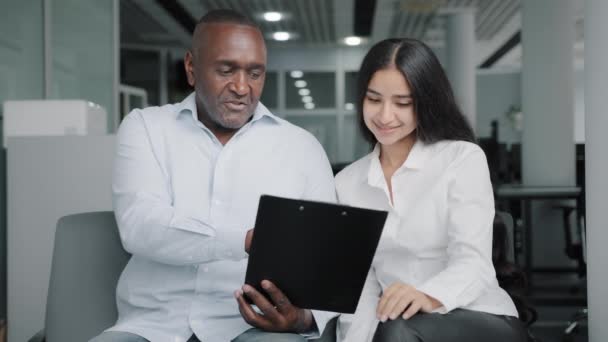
317, 253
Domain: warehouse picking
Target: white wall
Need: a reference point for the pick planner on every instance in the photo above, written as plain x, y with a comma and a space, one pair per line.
496, 92
82, 53
47, 178
21, 77
498, 89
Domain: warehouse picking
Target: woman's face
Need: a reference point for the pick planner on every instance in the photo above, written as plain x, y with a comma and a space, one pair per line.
388, 107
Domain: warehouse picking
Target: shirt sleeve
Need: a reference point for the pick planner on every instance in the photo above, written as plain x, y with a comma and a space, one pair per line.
361, 326
469, 268
149, 225
320, 184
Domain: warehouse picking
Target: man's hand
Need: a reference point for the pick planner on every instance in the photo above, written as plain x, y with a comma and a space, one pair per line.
405, 300
279, 316
248, 238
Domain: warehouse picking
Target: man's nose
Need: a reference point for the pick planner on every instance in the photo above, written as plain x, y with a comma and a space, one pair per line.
239, 84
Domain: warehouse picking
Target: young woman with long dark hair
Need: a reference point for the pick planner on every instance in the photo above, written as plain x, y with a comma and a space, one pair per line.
432, 279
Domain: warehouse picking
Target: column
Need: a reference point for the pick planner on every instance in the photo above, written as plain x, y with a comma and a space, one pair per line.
548, 92
548, 149
596, 165
460, 46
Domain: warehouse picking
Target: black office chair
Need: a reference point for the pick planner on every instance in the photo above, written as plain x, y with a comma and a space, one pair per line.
573, 244
510, 277
581, 316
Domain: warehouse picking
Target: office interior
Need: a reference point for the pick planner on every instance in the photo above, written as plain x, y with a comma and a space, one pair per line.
530, 75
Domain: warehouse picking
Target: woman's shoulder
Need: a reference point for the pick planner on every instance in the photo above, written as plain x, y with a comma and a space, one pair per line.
457, 149
454, 154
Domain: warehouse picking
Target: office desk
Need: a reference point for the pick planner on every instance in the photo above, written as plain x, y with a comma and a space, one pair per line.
526, 194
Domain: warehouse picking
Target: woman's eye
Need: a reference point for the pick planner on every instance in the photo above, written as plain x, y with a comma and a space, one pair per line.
407, 104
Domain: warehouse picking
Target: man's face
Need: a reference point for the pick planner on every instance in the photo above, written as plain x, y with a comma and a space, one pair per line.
227, 70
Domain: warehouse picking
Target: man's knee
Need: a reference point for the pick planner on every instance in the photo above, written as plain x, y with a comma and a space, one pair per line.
396, 330
256, 335
117, 336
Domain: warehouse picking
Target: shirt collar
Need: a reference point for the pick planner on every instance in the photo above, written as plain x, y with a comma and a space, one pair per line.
188, 106
419, 155
417, 159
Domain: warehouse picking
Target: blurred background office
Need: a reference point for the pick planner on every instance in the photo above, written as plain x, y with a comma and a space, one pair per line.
70, 70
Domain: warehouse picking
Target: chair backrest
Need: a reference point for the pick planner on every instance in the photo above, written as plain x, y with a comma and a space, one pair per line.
88, 259
507, 219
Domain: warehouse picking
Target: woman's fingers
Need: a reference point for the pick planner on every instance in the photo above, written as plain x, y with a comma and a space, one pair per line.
394, 302
388, 295
405, 301
402, 299
412, 309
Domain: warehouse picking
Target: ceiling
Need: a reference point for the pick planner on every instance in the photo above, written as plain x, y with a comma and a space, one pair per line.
326, 22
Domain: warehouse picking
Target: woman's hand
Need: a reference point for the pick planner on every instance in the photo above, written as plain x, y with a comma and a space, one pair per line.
403, 299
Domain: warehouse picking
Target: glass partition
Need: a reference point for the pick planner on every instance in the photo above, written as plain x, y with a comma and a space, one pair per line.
270, 95
83, 52
310, 90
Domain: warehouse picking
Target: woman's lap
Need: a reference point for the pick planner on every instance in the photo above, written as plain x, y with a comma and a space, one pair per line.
458, 325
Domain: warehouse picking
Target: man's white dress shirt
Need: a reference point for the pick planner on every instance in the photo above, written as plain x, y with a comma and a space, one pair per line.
184, 202
438, 234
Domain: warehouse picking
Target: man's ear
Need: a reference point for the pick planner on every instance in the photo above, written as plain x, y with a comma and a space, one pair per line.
189, 67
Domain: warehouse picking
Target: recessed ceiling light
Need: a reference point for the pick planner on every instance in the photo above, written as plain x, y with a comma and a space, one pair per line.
300, 83
273, 16
296, 74
309, 105
352, 41
304, 92
306, 99
281, 36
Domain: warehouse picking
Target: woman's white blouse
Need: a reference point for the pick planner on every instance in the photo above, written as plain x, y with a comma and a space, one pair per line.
438, 234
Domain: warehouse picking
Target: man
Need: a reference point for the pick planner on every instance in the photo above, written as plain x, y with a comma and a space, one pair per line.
187, 181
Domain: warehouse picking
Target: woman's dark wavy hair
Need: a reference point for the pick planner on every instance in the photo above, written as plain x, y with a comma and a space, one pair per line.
437, 114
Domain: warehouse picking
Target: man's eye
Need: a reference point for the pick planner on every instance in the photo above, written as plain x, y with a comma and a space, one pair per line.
255, 75
225, 71
373, 100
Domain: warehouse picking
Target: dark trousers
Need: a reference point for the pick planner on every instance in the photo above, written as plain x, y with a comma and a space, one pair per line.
456, 326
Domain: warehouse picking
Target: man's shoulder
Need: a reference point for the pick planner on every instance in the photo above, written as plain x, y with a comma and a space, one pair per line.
151, 116
295, 134
166, 112
354, 172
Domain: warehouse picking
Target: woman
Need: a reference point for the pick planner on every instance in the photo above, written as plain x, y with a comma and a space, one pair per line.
432, 278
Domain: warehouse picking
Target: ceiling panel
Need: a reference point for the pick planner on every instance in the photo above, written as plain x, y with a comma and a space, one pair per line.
313, 21
310, 20
326, 22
